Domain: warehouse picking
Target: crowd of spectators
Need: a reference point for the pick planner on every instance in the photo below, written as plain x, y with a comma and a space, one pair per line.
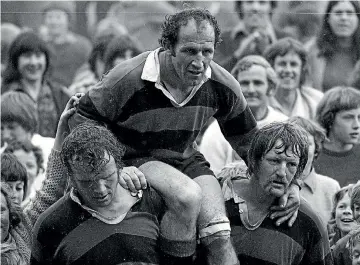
180, 132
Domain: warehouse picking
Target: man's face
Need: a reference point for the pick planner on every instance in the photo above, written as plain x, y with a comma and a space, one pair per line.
311, 154
56, 21
13, 131
17, 188
256, 13
276, 170
28, 160
98, 190
193, 52
32, 66
346, 127
343, 19
288, 69
5, 219
254, 85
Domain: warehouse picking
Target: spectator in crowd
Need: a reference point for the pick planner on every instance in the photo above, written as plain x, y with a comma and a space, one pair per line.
142, 19
101, 222
339, 113
251, 36
120, 49
31, 157
70, 49
19, 122
156, 104
289, 60
9, 32
258, 82
17, 223
334, 53
354, 80
354, 248
317, 189
302, 18
277, 155
342, 249
90, 73
29, 62
342, 220
12, 174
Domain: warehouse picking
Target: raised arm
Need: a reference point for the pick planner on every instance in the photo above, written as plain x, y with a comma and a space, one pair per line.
54, 185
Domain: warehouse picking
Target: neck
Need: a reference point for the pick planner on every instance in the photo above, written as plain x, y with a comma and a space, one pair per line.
32, 87
345, 42
337, 146
121, 203
286, 97
259, 112
57, 37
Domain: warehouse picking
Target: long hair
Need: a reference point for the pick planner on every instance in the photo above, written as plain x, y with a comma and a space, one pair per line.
326, 40
25, 42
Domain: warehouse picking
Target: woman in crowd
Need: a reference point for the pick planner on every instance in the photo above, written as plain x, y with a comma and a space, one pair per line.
317, 189
342, 220
334, 53
29, 63
289, 60
339, 114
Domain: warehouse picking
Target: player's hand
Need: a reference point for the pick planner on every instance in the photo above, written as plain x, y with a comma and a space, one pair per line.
131, 178
63, 127
288, 207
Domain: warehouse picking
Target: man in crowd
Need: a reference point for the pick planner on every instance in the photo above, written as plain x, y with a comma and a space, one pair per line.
258, 82
156, 104
252, 35
70, 50
100, 222
277, 155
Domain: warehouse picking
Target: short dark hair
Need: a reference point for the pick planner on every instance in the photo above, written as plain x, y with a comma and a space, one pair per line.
292, 136
245, 63
172, 24
117, 48
313, 129
238, 7
335, 100
19, 107
28, 147
13, 170
27, 41
284, 46
86, 148
326, 40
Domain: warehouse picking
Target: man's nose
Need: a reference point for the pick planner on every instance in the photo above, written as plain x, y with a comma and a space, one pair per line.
99, 186
282, 169
5, 134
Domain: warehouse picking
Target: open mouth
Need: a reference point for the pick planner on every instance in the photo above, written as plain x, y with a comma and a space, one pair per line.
347, 220
101, 198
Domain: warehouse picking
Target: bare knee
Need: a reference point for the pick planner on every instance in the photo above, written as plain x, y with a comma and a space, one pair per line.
188, 199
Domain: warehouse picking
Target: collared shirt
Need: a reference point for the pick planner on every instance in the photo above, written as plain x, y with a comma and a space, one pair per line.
96, 214
151, 73
319, 191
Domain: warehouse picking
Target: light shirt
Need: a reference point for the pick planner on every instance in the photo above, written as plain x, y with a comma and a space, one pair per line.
151, 73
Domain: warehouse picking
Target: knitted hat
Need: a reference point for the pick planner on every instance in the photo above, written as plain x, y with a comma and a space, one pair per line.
66, 6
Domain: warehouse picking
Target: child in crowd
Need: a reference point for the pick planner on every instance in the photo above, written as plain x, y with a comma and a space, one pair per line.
343, 251
342, 220
31, 157
317, 189
339, 114
19, 122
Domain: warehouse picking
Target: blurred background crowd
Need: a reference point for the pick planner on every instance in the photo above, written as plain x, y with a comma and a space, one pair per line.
304, 65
